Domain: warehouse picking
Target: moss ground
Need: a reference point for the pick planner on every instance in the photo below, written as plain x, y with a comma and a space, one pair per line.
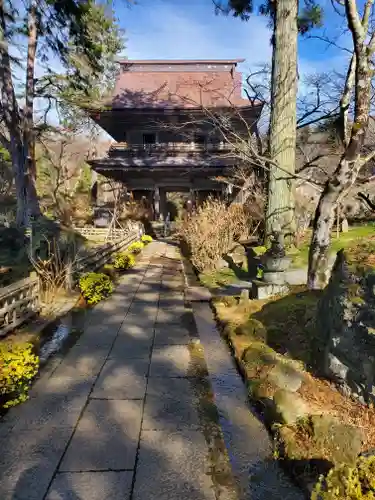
223, 277
230, 275
261, 331
345, 241
358, 242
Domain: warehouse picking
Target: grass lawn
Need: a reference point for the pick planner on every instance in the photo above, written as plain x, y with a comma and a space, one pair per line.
223, 277
358, 241
345, 240
228, 276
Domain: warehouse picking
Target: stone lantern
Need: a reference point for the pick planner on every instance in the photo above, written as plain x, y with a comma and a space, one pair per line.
274, 264
274, 261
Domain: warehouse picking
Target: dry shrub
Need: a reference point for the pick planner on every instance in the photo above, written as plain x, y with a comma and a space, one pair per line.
81, 211
54, 271
212, 231
135, 211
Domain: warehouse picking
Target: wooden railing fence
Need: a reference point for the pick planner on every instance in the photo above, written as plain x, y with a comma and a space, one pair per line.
18, 303
21, 300
103, 234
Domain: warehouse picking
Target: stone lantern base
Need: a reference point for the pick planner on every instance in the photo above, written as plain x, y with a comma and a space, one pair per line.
262, 290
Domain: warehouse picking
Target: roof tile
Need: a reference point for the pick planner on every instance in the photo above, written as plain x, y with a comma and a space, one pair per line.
187, 89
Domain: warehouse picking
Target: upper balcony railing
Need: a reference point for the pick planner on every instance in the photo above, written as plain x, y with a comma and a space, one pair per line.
169, 148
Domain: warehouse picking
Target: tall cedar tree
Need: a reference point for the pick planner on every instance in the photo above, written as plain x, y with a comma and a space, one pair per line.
287, 18
82, 36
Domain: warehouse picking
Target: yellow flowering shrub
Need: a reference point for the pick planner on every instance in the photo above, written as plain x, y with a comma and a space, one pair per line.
146, 239
349, 483
95, 287
124, 261
136, 247
18, 367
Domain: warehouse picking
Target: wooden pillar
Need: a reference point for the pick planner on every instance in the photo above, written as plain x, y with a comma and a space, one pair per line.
163, 202
157, 203
192, 198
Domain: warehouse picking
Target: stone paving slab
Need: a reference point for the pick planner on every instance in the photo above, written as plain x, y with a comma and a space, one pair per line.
109, 320
170, 361
126, 348
172, 315
99, 341
28, 463
108, 485
106, 437
169, 303
82, 361
152, 287
171, 285
172, 466
171, 334
122, 380
144, 308
146, 295
58, 403
139, 321
170, 413
132, 331
174, 387
102, 323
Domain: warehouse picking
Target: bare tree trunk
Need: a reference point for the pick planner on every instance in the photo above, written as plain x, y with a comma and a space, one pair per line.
12, 120
29, 136
27, 201
280, 209
345, 173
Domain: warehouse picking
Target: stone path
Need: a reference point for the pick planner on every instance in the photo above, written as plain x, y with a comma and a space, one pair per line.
128, 413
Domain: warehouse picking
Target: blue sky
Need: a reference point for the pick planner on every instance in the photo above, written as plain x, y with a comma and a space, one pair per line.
190, 29
179, 29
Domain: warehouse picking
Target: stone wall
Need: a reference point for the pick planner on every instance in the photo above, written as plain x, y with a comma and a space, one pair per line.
346, 328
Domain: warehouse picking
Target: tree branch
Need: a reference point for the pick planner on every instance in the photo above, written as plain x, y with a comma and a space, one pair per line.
354, 21
367, 200
345, 101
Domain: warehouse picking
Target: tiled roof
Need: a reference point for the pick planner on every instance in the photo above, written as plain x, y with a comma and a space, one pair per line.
166, 87
180, 61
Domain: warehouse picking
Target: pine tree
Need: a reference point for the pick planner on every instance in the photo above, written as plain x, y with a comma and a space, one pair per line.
82, 37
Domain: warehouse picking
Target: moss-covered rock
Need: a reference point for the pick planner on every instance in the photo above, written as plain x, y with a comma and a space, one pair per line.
253, 329
345, 319
289, 407
260, 389
285, 376
320, 436
259, 354
313, 445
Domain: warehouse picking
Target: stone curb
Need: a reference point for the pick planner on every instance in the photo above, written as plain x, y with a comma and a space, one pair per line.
201, 299
200, 294
267, 417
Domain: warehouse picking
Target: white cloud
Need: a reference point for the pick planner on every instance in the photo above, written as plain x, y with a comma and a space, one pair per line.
338, 63
194, 32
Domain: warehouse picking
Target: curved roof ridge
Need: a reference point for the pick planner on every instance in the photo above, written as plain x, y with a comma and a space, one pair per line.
180, 61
